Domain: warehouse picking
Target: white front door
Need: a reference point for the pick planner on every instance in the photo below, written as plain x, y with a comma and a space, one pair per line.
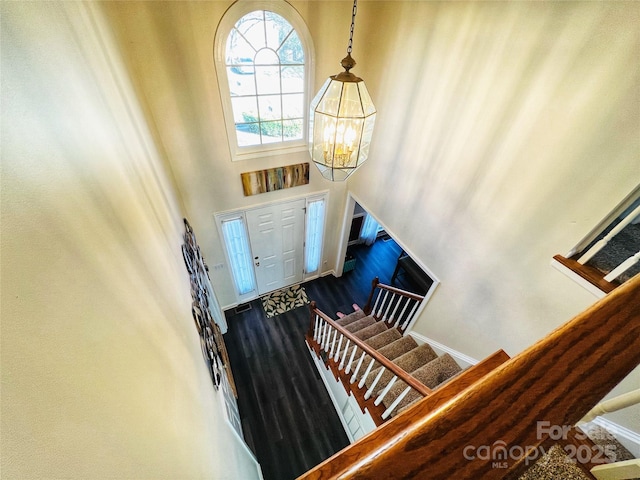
276, 233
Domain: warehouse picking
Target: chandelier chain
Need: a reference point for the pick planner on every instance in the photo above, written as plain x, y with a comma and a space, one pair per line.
353, 22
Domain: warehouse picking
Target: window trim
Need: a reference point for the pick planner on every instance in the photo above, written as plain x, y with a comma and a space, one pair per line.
234, 13
323, 197
220, 220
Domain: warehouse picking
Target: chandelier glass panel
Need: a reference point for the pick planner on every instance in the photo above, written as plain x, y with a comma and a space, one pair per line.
341, 121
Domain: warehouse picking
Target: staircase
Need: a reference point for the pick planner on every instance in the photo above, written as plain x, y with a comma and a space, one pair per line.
388, 373
384, 369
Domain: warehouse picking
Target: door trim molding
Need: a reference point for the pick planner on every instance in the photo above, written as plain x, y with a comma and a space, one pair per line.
241, 212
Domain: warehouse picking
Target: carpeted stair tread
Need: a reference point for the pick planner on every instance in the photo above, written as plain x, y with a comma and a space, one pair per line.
554, 465
391, 351
376, 336
385, 338
431, 375
399, 347
371, 331
409, 362
437, 371
352, 317
604, 438
360, 324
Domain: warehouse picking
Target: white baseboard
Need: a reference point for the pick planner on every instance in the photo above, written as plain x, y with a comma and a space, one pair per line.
330, 272
461, 358
628, 438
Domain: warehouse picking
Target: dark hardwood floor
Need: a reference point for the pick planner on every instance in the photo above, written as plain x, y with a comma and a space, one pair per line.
287, 416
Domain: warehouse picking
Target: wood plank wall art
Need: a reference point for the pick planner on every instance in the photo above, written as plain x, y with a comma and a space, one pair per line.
211, 341
271, 179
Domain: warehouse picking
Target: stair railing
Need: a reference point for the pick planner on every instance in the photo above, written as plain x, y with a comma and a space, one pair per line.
613, 405
347, 353
396, 307
495, 426
580, 266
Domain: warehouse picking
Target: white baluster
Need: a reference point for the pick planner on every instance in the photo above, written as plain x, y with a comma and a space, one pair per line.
600, 244
386, 312
395, 403
333, 342
384, 299
346, 352
366, 373
336, 357
375, 305
395, 309
320, 331
404, 309
353, 354
623, 267
368, 393
355, 372
384, 392
316, 330
327, 333
323, 331
411, 314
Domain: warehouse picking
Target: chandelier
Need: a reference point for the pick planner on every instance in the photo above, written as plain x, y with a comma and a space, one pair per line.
341, 120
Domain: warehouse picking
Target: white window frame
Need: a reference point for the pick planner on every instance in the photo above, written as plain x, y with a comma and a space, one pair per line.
238, 215
324, 197
232, 15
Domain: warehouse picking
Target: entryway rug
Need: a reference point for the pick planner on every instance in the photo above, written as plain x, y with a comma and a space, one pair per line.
282, 301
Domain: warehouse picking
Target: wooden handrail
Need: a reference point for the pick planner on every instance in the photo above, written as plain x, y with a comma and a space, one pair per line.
555, 381
399, 291
388, 364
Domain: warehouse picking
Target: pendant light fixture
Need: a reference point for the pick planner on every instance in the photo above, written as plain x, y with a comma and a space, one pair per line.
341, 120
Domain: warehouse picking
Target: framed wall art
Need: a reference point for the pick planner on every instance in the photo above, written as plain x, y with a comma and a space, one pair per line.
272, 179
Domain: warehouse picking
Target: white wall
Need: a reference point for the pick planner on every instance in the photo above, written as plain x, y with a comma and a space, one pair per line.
168, 48
102, 373
505, 132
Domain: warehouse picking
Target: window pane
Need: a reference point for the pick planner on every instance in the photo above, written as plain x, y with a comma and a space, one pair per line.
248, 134
292, 129
238, 48
291, 50
244, 109
277, 29
271, 132
315, 227
292, 79
270, 107
251, 26
235, 238
268, 80
267, 57
241, 80
293, 106
264, 59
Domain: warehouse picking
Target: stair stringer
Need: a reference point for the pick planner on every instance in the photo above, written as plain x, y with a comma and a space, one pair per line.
355, 421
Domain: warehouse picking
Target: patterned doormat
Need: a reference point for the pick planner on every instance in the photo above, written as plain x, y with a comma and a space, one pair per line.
282, 301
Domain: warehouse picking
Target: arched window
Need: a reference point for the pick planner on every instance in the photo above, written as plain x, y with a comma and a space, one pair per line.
263, 58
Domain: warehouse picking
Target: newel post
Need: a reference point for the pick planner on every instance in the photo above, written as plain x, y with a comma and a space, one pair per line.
369, 305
